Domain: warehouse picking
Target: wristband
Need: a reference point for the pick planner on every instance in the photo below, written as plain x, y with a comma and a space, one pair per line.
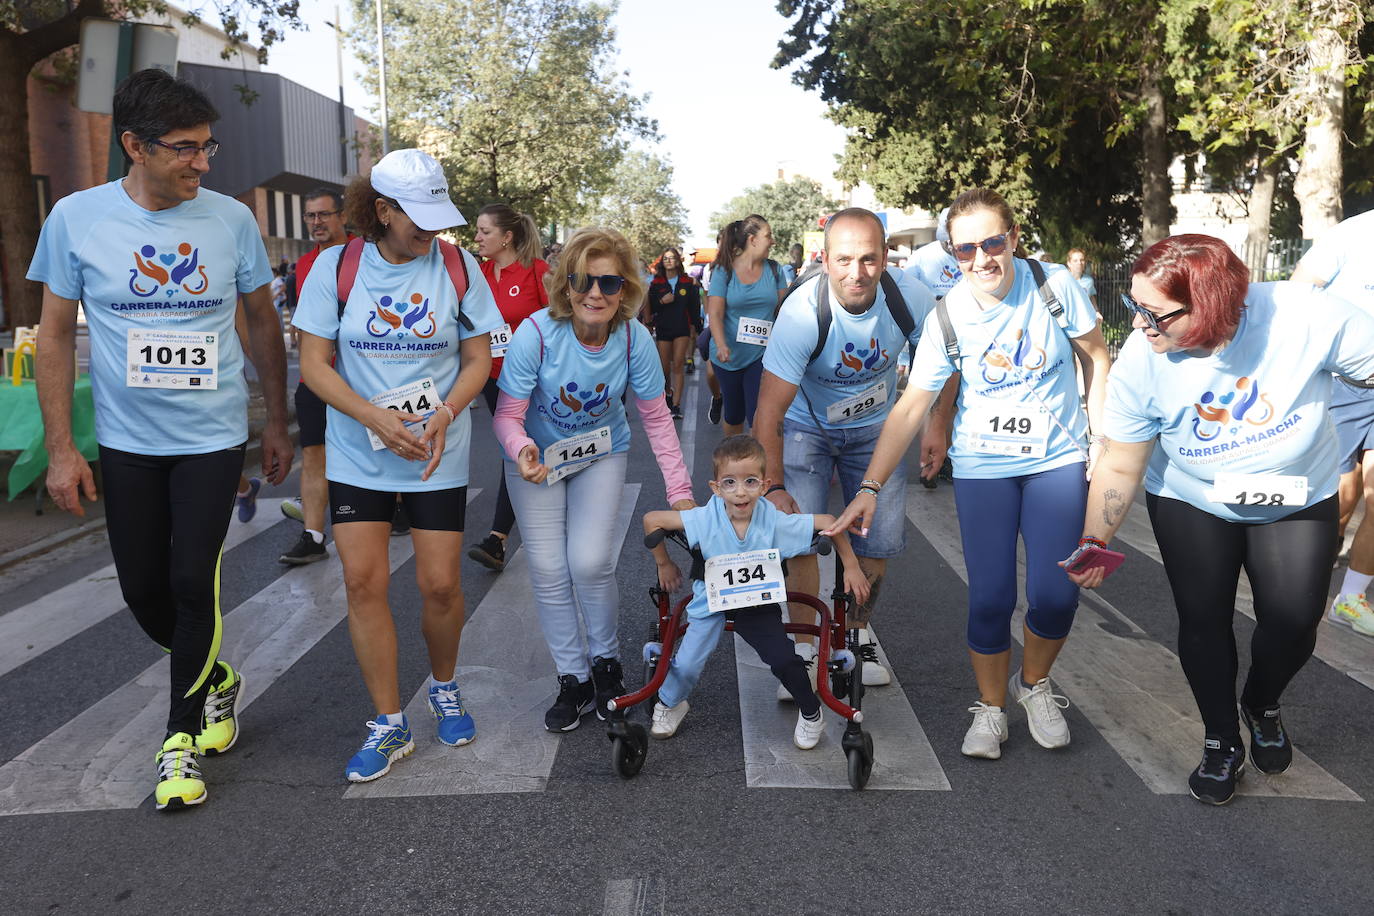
452, 411
1096, 542
1097, 440
774, 488
871, 484
868, 490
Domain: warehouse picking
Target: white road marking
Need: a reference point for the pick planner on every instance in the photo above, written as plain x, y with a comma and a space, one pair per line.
1128, 686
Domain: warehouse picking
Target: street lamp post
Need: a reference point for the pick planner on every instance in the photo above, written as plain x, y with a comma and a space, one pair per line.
343, 117
381, 80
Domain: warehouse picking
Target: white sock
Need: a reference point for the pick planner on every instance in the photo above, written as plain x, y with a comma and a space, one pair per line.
392, 718
316, 536
435, 682
1355, 583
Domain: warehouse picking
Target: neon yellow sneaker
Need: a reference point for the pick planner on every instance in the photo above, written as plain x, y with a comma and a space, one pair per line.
1353, 611
219, 726
178, 774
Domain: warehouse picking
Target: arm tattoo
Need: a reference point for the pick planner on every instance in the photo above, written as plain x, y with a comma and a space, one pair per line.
1114, 507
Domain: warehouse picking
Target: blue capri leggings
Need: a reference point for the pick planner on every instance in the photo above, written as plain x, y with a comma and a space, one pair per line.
739, 391
1047, 510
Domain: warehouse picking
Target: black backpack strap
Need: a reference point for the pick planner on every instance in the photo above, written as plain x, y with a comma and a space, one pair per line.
823, 319
897, 307
777, 272
806, 273
947, 330
1047, 294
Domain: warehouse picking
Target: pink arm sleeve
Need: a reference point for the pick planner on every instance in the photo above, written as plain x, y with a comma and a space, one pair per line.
658, 426
509, 424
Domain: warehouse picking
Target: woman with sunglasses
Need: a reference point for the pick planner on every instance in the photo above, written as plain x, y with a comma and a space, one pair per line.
411, 355
562, 424
746, 289
675, 306
1219, 399
1020, 450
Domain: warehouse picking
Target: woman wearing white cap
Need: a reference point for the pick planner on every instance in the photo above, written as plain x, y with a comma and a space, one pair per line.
408, 316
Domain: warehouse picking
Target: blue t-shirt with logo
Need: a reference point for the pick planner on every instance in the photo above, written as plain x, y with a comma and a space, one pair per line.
745, 300
709, 527
574, 389
179, 269
1088, 285
1006, 351
1341, 258
1259, 406
935, 267
400, 326
861, 351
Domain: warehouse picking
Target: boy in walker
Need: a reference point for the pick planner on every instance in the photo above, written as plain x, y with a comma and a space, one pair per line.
744, 540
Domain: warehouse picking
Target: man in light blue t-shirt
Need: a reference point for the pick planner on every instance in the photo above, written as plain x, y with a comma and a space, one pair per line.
159, 265
822, 402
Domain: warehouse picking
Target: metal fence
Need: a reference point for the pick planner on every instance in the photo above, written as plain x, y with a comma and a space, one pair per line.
1276, 262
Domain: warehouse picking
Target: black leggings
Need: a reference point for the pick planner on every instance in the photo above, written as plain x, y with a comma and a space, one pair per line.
1289, 565
167, 515
505, 515
762, 628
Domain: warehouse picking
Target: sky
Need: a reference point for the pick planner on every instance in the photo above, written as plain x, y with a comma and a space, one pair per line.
727, 120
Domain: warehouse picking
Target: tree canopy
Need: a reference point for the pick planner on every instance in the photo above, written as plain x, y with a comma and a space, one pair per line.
641, 204
791, 208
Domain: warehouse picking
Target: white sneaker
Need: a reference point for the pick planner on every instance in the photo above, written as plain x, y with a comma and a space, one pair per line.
808, 733
985, 736
667, 719
875, 675
1047, 724
807, 651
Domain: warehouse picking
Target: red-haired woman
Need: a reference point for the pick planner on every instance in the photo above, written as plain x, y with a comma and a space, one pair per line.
675, 305
1220, 401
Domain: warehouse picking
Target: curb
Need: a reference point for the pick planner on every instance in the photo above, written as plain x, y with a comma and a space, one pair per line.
251, 454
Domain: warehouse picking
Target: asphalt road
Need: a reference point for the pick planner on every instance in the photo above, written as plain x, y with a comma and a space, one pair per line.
721, 820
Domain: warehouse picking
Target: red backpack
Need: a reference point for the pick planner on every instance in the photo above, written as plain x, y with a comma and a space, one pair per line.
346, 271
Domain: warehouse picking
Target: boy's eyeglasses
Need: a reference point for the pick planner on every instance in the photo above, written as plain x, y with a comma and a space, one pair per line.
187, 152
1150, 318
993, 246
610, 283
730, 484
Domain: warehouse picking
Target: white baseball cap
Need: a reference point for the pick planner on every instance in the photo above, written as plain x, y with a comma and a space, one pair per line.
415, 180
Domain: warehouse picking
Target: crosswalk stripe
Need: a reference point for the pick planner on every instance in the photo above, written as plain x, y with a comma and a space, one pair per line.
903, 756
688, 436
33, 629
507, 680
103, 758
1344, 650
1128, 686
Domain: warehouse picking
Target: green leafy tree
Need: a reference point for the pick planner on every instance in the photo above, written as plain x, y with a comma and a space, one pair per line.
791, 208
33, 31
519, 99
642, 205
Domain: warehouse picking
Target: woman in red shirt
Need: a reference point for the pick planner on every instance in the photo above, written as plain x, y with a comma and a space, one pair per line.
674, 303
509, 242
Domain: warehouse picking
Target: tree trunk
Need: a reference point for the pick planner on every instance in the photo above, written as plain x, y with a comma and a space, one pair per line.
1261, 209
1318, 183
1156, 187
19, 211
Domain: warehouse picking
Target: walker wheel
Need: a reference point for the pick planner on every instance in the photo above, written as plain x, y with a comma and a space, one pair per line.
628, 752
860, 760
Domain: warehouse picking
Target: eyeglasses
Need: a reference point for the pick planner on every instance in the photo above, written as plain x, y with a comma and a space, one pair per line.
994, 246
319, 216
187, 152
610, 283
730, 484
1151, 319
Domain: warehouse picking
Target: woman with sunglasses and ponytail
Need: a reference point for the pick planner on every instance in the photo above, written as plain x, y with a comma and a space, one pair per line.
1010, 331
1219, 400
561, 421
746, 289
509, 241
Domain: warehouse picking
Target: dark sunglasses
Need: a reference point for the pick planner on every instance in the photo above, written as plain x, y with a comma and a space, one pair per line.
610, 283
993, 246
1151, 319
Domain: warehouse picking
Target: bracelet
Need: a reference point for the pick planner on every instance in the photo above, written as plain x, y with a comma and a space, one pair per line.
870, 483
774, 488
867, 490
1096, 542
1097, 440
452, 411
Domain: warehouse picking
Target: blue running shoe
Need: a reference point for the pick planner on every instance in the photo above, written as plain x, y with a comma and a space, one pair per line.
385, 744
455, 726
248, 502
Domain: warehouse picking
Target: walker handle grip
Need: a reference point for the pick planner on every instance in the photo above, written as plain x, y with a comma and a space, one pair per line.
654, 538
824, 546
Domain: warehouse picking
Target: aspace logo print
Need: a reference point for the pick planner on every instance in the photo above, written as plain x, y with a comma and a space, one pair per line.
169, 272
573, 399
1227, 412
392, 316
999, 359
854, 360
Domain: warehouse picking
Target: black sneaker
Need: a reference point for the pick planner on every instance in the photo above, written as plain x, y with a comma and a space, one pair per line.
691, 367
491, 553
1270, 748
717, 404
305, 552
676, 411
668, 397
400, 522
609, 682
575, 698
1214, 780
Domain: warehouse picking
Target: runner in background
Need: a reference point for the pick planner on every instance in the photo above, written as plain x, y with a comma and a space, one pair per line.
674, 303
1077, 261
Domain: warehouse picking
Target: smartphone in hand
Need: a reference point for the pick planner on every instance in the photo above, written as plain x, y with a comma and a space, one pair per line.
1090, 556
